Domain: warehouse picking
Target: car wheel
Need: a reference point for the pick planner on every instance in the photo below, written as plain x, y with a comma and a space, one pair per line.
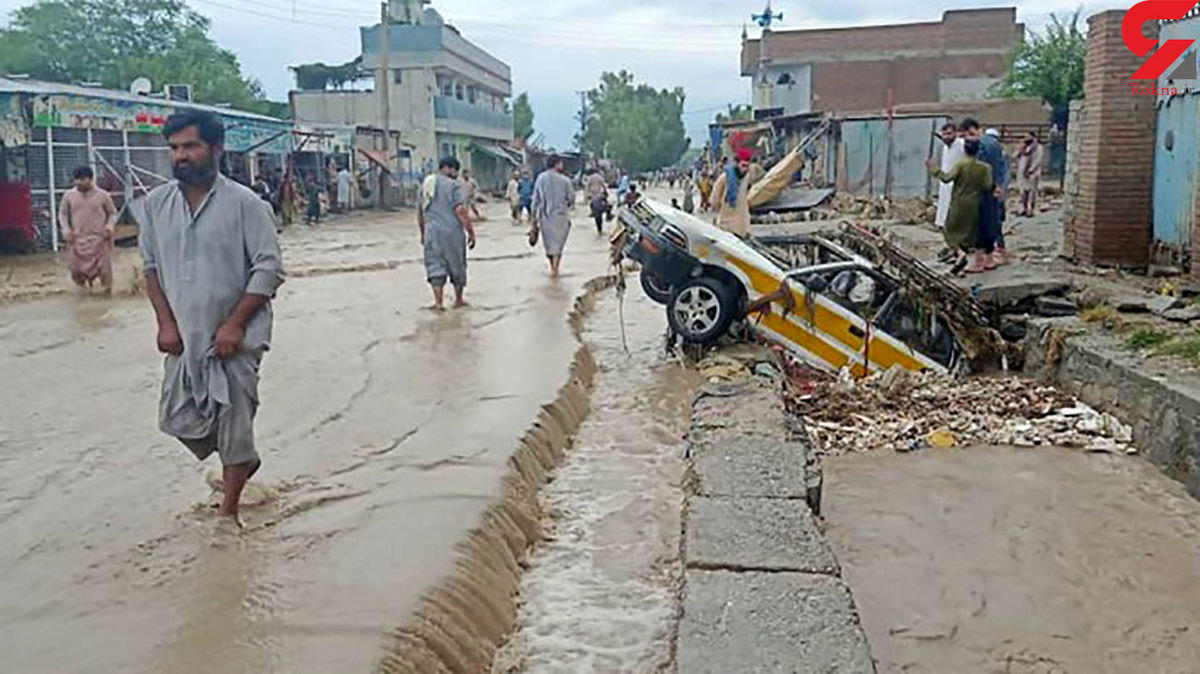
656, 288
701, 310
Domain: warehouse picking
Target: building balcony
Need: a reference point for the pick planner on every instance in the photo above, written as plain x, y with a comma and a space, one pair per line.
455, 116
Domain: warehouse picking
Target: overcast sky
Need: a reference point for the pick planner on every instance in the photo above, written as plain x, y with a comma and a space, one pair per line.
558, 48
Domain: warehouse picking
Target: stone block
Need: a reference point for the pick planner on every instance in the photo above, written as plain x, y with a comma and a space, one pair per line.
770, 622
756, 534
751, 468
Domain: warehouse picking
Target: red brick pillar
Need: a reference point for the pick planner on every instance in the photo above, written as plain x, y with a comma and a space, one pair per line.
1111, 220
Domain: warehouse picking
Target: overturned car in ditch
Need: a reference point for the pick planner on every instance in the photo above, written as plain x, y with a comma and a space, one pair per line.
820, 296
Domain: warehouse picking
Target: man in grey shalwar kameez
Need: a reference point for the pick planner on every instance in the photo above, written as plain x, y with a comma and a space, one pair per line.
446, 232
553, 198
212, 265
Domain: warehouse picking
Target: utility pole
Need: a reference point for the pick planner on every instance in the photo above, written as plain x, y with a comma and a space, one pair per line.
583, 117
385, 95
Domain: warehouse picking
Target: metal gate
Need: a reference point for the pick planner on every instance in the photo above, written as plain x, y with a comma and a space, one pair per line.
1176, 159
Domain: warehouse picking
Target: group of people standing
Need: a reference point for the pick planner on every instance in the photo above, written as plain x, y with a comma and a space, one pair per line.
975, 173
447, 213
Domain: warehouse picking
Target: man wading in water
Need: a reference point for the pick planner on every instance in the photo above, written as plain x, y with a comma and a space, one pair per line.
446, 232
212, 265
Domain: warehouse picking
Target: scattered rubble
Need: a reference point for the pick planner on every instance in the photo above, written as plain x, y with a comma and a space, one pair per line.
904, 411
914, 211
1185, 315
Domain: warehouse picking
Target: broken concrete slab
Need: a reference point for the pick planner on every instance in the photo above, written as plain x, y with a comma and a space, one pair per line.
770, 622
1185, 315
1132, 304
1161, 304
1012, 286
756, 534
1051, 306
760, 467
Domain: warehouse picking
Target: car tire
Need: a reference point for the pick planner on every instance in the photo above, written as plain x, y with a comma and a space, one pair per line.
655, 288
701, 310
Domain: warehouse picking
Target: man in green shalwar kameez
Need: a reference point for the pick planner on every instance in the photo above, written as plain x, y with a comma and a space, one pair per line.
972, 179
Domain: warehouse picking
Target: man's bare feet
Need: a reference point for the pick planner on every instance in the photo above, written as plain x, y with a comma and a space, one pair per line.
436, 308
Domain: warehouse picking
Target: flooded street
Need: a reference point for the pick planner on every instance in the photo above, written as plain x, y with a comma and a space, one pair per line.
1025, 561
601, 592
385, 432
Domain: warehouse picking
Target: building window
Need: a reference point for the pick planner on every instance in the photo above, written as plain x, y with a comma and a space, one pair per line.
397, 76
447, 150
458, 91
471, 95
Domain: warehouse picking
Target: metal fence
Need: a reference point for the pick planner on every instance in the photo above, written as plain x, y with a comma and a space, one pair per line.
127, 164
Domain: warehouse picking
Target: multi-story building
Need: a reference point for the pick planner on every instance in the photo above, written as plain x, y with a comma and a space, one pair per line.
867, 68
446, 96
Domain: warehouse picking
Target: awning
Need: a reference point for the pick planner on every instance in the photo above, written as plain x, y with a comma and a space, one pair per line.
377, 157
495, 152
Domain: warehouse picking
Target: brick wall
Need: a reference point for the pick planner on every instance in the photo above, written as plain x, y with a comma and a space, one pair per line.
1111, 220
862, 85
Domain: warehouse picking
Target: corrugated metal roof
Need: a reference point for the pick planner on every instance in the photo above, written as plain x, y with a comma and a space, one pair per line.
39, 87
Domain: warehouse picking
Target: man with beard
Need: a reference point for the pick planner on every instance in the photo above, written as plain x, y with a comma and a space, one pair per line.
730, 196
953, 151
212, 265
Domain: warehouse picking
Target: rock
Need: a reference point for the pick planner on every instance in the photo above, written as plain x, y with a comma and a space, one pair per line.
1052, 307
1161, 271
1133, 304
1161, 304
1013, 329
1185, 315
767, 370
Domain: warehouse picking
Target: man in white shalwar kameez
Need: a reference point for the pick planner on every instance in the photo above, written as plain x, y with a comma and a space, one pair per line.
553, 198
953, 151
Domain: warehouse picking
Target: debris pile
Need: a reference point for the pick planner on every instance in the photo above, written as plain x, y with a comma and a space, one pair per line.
903, 411
913, 211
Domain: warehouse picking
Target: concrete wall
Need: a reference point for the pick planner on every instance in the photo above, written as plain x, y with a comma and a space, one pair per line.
794, 95
1160, 403
965, 88
1111, 218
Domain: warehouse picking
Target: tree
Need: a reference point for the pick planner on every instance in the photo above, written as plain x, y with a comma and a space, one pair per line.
639, 126
115, 41
1049, 65
522, 117
735, 113
319, 76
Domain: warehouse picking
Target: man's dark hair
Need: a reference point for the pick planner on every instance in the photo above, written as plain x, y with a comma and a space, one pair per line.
968, 124
207, 125
949, 125
449, 162
555, 161
83, 172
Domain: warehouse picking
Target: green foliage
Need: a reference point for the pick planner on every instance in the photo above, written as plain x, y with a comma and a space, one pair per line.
1187, 349
522, 117
1147, 338
115, 41
1049, 65
639, 126
320, 76
735, 113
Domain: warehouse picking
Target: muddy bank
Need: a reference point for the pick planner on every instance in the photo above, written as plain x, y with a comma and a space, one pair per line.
601, 591
1037, 560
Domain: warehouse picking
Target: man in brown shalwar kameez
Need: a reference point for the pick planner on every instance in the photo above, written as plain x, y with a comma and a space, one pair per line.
87, 218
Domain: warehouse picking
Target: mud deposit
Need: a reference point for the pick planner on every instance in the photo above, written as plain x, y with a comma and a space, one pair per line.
600, 595
387, 496
1026, 561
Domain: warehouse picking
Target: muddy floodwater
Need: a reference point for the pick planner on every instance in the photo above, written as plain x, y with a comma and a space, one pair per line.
600, 594
1018, 560
385, 432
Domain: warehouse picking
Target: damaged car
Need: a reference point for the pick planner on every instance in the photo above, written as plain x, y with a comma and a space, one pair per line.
826, 304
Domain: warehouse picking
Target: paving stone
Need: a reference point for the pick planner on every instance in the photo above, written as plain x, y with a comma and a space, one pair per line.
756, 534
747, 467
1162, 304
770, 622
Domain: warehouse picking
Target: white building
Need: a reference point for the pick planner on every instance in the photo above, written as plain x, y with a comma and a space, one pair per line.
447, 96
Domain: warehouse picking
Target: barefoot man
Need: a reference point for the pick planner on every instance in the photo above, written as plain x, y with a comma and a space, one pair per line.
446, 232
87, 219
553, 198
212, 265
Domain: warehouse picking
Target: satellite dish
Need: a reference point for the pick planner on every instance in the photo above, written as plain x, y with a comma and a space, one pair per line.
141, 86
